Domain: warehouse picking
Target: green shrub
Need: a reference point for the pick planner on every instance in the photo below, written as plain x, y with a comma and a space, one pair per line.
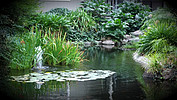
162, 15
59, 11
82, 26
158, 36
159, 41
159, 61
22, 54
52, 21
55, 49
78, 24
14, 15
115, 29
134, 14
99, 9
58, 51
101, 12
130, 14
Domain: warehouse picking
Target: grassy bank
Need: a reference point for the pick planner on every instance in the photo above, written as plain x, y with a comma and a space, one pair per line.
159, 43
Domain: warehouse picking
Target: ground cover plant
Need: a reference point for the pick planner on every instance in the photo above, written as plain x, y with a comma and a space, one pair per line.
159, 43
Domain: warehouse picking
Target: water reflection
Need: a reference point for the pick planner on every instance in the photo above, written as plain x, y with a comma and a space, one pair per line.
110, 89
126, 84
68, 90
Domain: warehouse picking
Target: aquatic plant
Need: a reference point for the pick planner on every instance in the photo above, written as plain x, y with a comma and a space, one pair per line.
22, 54
56, 50
64, 76
59, 51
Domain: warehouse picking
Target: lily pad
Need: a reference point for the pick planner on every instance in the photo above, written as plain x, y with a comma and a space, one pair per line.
63, 76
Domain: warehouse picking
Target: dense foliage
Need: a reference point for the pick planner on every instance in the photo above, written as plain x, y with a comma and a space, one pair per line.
131, 14
94, 21
115, 28
99, 9
82, 26
159, 41
134, 14
158, 36
52, 21
14, 14
56, 50
59, 11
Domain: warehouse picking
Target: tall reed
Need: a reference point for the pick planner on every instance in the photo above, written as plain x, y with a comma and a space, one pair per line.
58, 51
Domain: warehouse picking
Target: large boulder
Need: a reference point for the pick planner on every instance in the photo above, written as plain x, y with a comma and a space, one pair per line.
135, 39
108, 42
137, 33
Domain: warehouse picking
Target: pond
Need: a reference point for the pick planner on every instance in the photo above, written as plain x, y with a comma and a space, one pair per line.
125, 82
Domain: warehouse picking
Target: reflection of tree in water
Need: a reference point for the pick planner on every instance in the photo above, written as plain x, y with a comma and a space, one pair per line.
29, 91
127, 84
111, 59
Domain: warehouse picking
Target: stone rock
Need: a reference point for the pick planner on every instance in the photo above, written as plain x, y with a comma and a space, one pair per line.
137, 33
147, 74
136, 39
168, 73
142, 60
108, 46
87, 43
108, 42
127, 36
124, 41
97, 42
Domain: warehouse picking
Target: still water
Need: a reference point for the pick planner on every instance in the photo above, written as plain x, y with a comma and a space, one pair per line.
126, 84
